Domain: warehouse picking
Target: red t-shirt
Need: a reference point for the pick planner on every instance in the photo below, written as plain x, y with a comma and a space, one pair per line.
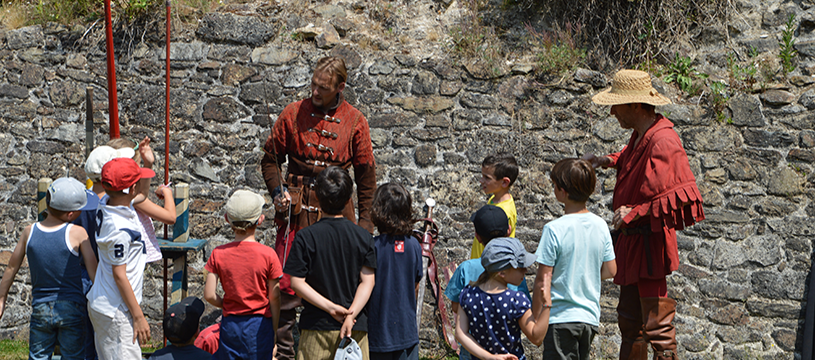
207, 340
243, 268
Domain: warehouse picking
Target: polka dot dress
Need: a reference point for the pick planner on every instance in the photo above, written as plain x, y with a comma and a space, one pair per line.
493, 319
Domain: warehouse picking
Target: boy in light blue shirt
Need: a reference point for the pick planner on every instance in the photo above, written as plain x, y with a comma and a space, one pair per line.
490, 222
575, 254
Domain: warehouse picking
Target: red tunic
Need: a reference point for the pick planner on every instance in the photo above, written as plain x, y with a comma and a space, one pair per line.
310, 144
654, 178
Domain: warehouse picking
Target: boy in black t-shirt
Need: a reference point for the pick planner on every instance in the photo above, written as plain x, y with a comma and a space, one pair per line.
332, 265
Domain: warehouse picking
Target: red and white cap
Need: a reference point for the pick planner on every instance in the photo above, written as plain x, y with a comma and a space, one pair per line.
121, 173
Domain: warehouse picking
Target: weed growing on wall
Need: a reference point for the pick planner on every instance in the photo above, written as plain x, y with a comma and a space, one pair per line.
559, 51
787, 45
627, 33
682, 72
719, 95
472, 39
742, 77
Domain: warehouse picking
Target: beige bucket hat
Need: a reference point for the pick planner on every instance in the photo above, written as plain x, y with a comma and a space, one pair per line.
628, 87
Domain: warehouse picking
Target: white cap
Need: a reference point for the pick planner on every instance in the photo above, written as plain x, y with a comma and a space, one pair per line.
100, 156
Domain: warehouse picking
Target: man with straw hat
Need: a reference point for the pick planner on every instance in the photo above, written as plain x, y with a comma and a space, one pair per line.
655, 195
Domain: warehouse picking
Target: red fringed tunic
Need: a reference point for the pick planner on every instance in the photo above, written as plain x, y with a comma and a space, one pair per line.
311, 143
654, 178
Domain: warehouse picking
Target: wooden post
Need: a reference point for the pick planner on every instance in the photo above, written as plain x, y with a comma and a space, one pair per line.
42, 189
180, 234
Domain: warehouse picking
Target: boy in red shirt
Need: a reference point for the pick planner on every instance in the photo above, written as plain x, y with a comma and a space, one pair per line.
249, 273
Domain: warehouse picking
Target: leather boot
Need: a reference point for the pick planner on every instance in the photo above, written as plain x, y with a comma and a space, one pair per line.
658, 315
629, 318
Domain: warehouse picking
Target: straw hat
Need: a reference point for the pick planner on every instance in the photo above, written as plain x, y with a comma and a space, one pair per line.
630, 86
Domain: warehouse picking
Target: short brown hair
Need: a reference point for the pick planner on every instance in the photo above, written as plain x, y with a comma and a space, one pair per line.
576, 176
120, 143
334, 66
503, 165
392, 210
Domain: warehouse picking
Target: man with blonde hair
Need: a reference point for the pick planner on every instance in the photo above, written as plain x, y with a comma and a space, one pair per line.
655, 196
313, 134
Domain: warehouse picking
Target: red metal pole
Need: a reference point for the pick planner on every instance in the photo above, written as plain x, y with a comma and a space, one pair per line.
167, 150
113, 102
167, 110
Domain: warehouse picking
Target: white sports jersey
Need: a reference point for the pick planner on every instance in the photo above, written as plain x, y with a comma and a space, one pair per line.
120, 242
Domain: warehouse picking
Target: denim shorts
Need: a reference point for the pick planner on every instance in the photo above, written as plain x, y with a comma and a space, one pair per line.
57, 322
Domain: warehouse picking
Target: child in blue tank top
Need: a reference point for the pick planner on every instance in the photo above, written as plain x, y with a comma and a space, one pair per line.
491, 317
392, 329
54, 247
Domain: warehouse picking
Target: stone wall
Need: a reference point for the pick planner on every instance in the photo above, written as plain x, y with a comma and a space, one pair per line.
741, 287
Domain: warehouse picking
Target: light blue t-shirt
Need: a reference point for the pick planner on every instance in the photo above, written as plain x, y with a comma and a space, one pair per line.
575, 245
468, 272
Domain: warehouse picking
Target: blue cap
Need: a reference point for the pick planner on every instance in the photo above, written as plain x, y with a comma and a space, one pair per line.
504, 253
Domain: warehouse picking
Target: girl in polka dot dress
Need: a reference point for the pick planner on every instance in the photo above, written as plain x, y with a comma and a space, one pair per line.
491, 317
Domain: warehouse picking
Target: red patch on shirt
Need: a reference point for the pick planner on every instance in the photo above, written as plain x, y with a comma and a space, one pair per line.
399, 246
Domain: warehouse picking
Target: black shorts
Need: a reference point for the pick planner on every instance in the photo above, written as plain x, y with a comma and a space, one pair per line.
569, 341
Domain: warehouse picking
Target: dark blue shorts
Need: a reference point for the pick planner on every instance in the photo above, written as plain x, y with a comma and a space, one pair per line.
246, 337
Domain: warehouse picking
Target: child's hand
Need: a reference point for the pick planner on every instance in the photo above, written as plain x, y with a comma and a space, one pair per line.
502, 357
347, 326
164, 191
146, 152
339, 313
141, 331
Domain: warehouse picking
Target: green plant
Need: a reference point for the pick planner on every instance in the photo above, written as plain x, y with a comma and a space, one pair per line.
718, 99
752, 52
683, 73
559, 49
787, 44
741, 77
472, 40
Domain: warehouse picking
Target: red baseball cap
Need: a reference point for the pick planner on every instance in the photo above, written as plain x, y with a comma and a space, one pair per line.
121, 173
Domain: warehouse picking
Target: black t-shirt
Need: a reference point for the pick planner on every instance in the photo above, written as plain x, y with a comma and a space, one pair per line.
329, 255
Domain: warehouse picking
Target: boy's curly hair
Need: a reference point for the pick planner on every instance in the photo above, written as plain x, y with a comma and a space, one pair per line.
504, 166
392, 210
576, 176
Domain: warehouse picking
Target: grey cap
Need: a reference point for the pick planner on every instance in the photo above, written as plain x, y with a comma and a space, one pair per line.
68, 194
504, 253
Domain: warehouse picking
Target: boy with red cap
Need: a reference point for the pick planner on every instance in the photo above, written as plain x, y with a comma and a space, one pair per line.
117, 292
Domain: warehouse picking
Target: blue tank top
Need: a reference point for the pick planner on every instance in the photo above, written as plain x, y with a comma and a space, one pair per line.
54, 266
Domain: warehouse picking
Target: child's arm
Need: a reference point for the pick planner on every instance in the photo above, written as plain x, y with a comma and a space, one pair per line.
147, 159
79, 239
209, 291
609, 269
164, 214
366, 285
273, 289
141, 330
307, 293
273, 292
14, 264
535, 323
465, 339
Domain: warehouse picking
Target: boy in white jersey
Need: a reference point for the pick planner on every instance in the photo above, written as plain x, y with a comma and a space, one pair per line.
117, 292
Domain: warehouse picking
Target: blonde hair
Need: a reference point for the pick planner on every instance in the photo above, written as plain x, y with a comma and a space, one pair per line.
334, 66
